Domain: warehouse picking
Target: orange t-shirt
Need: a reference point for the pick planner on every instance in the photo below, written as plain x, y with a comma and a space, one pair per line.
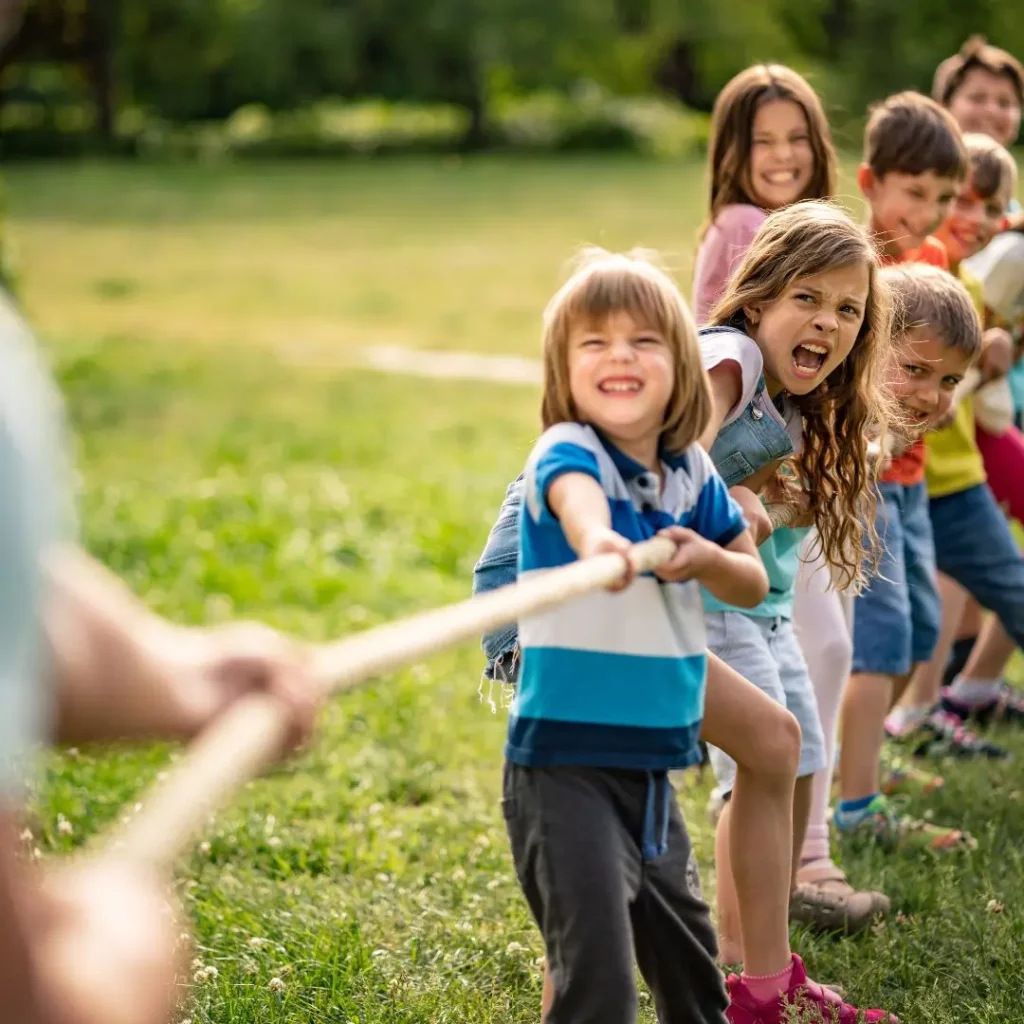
908, 469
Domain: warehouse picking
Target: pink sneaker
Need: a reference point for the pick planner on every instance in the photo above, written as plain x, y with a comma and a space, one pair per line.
816, 1004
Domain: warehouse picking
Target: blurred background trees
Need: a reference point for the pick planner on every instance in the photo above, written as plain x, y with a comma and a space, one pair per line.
309, 76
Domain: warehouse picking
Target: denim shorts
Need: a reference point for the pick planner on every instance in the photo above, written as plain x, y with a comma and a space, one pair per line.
974, 546
896, 618
765, 651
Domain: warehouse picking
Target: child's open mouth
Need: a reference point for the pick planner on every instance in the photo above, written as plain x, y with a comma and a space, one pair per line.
808, 359
620, 386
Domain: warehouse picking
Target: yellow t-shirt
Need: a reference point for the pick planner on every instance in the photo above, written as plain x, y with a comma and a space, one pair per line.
954, 463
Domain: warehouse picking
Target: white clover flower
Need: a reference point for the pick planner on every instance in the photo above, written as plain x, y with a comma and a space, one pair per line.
276, 985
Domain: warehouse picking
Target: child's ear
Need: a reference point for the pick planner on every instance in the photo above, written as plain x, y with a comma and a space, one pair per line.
752, 313
866, 180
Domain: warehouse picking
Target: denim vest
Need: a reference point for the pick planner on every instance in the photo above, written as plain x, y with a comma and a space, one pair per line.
751, 441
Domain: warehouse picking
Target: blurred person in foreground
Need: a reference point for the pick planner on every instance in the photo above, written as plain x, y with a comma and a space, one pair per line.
81, 660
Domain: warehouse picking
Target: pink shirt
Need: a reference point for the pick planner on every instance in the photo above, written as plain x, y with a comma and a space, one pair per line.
720, 253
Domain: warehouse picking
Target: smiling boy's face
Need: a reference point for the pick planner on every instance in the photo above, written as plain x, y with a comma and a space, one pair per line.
925, 375
906, 208
973, 221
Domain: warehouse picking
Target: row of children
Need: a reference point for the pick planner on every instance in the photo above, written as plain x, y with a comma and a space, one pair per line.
822, 343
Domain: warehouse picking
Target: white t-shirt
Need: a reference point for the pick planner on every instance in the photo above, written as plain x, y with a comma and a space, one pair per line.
722, 344
32, 517
1000, 268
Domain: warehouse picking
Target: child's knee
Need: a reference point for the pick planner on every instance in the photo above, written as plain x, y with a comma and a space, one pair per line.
775, 751
834, 652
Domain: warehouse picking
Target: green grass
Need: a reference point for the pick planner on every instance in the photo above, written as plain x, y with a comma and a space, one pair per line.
324, 499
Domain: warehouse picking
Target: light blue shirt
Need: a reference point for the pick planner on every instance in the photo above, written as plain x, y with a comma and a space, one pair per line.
32, 517
781, 556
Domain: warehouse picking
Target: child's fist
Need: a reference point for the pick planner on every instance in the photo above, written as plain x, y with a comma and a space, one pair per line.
602, 540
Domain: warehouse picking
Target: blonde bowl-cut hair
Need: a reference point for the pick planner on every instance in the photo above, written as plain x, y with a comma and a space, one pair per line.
603, 284
853, 404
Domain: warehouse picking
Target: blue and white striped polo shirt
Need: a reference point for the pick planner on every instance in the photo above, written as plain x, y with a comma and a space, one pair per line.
615, 680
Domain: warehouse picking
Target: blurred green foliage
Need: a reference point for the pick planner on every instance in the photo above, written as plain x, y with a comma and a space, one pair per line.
326, 76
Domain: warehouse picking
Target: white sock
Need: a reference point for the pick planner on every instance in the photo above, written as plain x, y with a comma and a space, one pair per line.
975, 691
902, 718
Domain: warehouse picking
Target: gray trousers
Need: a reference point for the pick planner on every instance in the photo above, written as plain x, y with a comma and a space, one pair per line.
603, 894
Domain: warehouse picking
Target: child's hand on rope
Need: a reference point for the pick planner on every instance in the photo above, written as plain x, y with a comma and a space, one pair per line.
997, 355
785, 490
695, 556
602, 540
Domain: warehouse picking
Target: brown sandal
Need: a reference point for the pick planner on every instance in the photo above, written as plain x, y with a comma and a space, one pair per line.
825, 901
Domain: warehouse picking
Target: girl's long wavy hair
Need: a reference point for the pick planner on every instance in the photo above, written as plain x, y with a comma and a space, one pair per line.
732, 127
853, 404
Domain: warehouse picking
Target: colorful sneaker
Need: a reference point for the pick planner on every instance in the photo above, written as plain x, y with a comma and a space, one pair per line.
944, 735
825, 901
813, 1002
1007, 707
895, 831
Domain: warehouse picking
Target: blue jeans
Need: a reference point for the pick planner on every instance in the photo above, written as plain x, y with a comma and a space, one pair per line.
896, 619
974, 546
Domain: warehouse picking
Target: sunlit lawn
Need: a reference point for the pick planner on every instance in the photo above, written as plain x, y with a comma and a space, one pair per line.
222, 476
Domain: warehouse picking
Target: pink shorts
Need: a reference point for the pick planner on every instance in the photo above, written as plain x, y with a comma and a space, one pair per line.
1004, 465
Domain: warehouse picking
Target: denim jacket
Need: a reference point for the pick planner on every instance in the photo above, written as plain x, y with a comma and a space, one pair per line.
751, 441
497, 567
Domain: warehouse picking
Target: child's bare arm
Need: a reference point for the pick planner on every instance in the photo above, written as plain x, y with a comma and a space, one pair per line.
756, 515
579, 503
734, 574
726, 389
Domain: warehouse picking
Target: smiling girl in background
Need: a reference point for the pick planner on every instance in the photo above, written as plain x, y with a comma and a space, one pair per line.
770, 146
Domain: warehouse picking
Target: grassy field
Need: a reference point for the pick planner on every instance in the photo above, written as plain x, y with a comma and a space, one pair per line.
223, 477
